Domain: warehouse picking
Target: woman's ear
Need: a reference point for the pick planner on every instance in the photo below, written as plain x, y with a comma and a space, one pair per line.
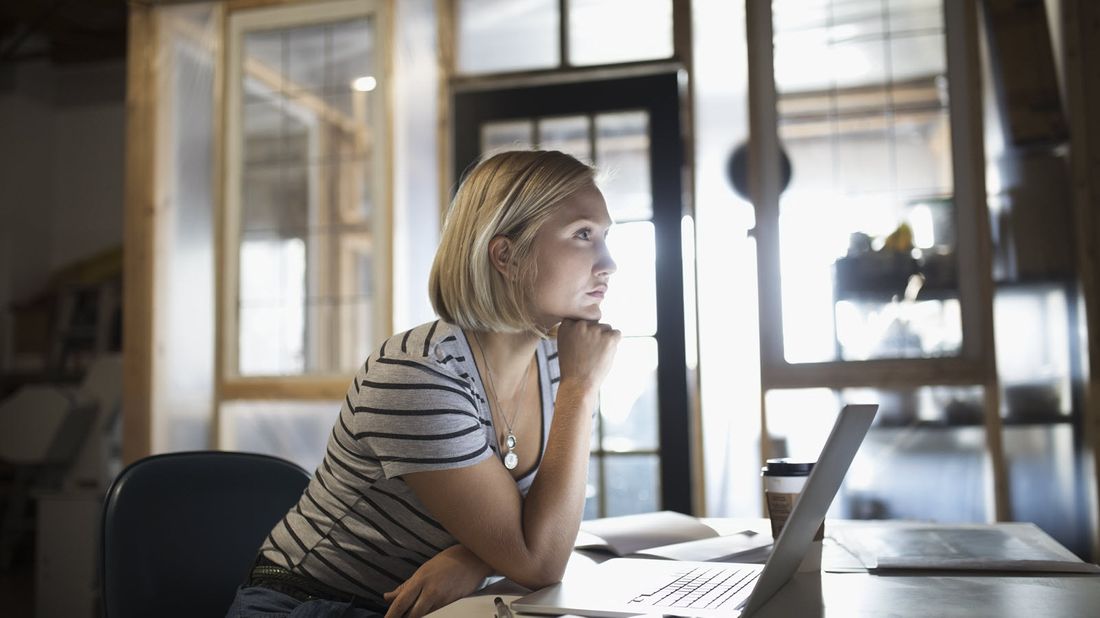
500, 254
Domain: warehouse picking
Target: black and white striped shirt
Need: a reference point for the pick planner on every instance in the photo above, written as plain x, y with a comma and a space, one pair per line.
416, 404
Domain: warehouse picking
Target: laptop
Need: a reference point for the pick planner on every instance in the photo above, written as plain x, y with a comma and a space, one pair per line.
625, 586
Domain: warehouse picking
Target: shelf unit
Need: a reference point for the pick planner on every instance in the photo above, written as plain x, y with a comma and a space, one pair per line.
975, 364
950, 409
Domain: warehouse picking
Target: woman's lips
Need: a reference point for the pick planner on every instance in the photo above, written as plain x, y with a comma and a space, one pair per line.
598, 292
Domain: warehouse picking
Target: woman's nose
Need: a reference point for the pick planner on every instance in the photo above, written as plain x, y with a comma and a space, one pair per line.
606, 265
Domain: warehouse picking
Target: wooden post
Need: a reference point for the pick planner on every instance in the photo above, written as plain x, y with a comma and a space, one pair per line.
682, 44
975, 266
138, 234
445, 66
1081, 25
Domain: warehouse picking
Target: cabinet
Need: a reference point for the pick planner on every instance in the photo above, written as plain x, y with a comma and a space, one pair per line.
875, 273
65, 564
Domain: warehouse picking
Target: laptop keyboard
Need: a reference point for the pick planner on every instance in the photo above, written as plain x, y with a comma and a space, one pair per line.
701, 588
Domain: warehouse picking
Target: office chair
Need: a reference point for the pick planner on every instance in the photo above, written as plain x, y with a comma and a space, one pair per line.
180, 530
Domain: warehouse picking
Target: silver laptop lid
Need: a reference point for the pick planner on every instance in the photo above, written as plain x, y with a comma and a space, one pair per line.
627, 578
794, 541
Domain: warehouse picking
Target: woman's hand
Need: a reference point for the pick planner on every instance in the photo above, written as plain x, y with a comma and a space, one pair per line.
585, 351
450, 575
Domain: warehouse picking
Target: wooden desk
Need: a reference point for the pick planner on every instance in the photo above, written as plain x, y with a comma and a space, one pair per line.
826, 594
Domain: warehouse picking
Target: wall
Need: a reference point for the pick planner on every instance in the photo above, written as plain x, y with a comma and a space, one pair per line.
416, 188
61, 162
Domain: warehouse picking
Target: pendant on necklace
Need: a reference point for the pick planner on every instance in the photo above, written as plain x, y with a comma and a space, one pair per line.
511, 460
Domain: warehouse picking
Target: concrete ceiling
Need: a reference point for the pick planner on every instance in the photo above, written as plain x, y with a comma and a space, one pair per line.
62, 31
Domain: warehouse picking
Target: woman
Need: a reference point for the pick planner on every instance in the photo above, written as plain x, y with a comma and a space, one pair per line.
462, 446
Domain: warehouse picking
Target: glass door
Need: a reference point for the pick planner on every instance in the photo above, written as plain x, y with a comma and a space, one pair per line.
628, 128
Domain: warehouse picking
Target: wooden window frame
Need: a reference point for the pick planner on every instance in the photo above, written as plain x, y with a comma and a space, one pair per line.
229, 384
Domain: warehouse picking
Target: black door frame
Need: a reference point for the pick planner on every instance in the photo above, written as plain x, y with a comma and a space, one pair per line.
659, 94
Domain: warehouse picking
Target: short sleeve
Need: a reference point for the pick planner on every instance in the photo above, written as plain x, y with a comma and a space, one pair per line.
413, 416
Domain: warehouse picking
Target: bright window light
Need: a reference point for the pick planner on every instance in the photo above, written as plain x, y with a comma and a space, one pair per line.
365, 83
272, 313
920, 221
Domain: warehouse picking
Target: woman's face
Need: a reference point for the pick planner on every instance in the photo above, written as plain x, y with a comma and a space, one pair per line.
572, 258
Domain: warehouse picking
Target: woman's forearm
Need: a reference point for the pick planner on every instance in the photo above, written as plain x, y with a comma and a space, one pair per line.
529, 539
470, 560
555, 503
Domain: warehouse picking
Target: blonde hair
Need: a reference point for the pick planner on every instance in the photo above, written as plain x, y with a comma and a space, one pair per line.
510, 194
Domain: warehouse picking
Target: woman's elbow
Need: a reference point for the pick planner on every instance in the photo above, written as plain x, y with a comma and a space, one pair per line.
542, 573
539, 581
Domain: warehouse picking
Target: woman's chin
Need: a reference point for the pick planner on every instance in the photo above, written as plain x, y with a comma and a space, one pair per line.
593, 313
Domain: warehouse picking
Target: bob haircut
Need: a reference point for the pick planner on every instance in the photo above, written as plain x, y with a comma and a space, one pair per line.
510, 194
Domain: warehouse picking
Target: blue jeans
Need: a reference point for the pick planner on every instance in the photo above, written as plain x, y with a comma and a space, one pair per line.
260, 602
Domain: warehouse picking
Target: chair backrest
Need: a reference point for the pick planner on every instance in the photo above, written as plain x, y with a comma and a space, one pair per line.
181, 530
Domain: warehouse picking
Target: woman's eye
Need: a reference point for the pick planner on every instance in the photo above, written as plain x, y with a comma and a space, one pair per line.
585, 234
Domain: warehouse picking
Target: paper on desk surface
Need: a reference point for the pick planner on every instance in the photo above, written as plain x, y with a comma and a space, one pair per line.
728, 548
1018, 547
668, 535
628, 534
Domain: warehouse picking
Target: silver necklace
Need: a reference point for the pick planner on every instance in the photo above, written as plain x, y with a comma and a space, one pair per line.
511, 460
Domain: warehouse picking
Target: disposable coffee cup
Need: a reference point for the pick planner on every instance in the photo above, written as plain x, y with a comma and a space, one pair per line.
783, 483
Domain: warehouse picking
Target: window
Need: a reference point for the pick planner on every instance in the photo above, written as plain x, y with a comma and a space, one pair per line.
497, 36
537, 74
609, 31
504, 35
306, 289
867, 225
624, 472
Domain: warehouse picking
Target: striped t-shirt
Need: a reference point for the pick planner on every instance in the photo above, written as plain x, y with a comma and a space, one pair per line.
416, 404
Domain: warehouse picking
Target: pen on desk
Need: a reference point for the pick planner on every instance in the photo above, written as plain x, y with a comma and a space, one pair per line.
502, 608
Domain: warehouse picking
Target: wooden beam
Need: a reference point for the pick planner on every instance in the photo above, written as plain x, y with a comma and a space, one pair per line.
388, 39
139, 211
221, 255
221, 55
682, 42
445, 67
879, 373
1081, 25
283, 388
975, 261
764, 188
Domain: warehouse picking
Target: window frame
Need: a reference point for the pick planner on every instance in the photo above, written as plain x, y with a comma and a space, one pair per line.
971, 365
591, 93
679, 36
241, 17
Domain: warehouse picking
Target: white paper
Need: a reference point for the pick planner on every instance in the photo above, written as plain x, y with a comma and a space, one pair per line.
628, 534
725, 548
